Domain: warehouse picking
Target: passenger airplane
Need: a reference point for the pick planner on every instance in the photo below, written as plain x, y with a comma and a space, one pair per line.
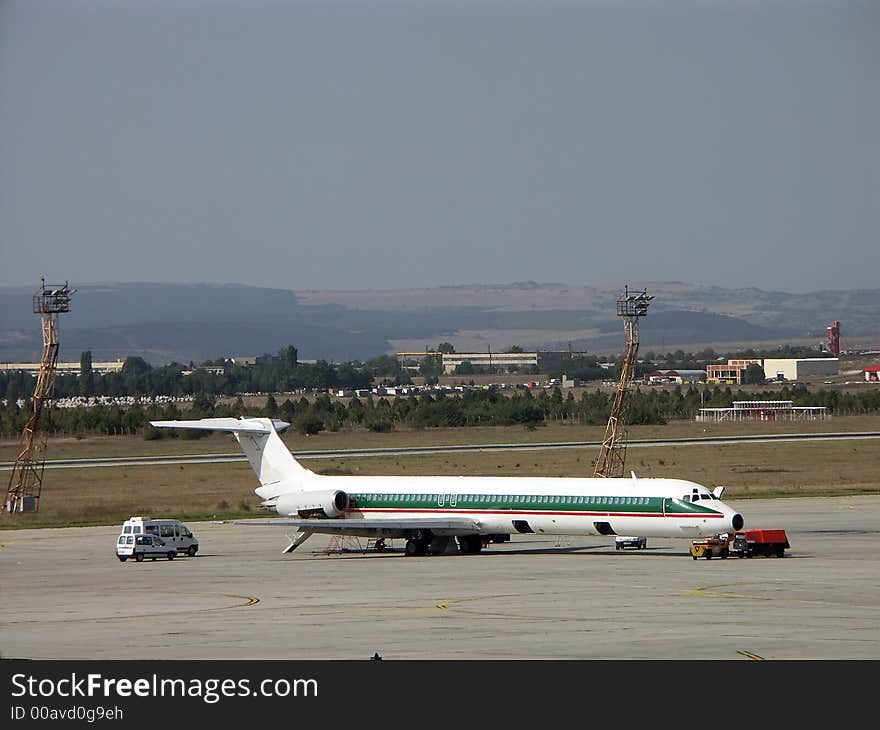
431, 511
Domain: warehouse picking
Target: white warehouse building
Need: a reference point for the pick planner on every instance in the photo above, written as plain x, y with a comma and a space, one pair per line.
800, 368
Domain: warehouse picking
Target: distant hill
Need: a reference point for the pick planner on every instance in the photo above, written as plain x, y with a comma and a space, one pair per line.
165, 323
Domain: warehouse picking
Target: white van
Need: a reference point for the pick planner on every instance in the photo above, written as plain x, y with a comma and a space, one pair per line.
172, 532
143, 546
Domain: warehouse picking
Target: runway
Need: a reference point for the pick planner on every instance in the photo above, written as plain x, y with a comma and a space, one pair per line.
117, 461
65, 596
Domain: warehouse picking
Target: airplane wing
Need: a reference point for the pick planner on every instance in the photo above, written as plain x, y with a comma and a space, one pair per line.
392, 527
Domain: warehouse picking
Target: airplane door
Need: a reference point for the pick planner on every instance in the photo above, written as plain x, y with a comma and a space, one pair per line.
443, 498
666, 504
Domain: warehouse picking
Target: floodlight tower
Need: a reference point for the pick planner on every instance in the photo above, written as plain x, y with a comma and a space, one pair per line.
26, 480
612, 456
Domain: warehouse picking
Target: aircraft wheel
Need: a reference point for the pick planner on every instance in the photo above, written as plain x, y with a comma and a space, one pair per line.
470, 544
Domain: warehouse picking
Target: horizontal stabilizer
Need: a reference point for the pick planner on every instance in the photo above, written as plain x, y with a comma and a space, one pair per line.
242, 425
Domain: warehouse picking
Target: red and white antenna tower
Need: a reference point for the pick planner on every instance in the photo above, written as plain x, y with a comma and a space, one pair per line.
834, 338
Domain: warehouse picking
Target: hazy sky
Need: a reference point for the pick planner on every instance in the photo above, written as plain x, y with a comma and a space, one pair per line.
329, 145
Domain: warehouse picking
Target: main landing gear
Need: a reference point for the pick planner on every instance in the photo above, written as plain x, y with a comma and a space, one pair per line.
470, 544
467, 545
416, 546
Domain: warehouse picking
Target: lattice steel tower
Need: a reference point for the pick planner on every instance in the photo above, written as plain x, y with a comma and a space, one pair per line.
612, 456
26, 480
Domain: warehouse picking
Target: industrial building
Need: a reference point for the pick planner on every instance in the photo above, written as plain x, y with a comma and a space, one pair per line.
480, 360
675, 376
774, 369
63, 368
729, 374
764, 410
541, 361
800, 368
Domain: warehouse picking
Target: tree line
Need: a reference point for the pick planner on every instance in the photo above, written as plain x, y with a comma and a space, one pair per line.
471, 408
271, 374
282, 373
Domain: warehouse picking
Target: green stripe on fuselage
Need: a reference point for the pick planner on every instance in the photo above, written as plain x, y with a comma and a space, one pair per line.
528, 503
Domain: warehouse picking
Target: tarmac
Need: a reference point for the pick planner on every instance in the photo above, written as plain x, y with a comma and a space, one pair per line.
64, 595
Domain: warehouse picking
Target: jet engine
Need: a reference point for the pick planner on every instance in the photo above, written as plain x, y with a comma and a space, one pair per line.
318, 503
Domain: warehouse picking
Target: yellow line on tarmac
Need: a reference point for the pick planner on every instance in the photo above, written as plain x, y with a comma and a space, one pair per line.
249, 601
714, 591
456, 601
706, 591
454, 606
749, 654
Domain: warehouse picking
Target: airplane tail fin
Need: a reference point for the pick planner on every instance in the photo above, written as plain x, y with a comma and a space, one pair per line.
270, 459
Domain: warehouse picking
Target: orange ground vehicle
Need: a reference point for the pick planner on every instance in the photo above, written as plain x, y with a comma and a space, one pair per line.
749, 543
709, 547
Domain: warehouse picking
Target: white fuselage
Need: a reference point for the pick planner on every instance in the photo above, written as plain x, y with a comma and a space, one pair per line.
558, 506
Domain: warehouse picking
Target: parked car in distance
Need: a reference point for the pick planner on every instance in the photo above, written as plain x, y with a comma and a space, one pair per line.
621, 542
143, 546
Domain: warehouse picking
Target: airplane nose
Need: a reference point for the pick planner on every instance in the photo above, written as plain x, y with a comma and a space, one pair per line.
737, 521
